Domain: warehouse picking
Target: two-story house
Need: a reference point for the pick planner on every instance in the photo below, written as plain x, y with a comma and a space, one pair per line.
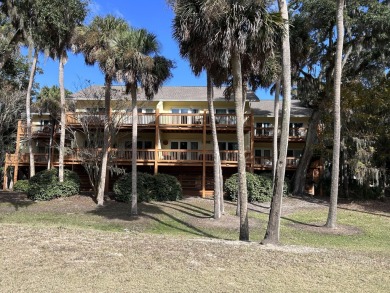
174, 135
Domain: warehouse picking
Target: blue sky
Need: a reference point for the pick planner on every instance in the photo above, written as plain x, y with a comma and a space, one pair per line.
153, 15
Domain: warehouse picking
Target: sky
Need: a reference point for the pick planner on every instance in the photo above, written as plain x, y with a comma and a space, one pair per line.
153, 15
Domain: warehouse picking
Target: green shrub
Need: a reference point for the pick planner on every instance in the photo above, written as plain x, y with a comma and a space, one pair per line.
166, 187
259, 187
21, 186
160, 187
145, 182
45, 185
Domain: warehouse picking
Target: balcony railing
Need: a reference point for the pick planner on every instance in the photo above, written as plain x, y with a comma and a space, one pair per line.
268, 132
169, 156
228, 120
180, 119
165, 119
266, 162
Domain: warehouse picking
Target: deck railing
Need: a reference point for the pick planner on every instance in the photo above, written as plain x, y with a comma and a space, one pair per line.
163, 155
180, 119
165, 119
266, 162
268, 132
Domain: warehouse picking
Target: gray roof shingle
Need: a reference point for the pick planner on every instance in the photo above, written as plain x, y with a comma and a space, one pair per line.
192, 93
266, 108
168, 93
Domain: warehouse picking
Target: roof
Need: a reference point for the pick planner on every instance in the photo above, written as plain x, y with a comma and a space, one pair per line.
168, 93
263, 108
266, 108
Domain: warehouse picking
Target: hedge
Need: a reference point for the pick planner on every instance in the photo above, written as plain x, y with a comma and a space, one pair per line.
259, 187
45, 185
160, 187
22, 186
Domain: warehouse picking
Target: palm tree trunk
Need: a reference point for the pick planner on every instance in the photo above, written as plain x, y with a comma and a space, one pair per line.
62, 121
52, 132
273, 229
299, 179
222, 201
242, 187
134, 206
276, 130
28, 111
332, 215
106, 141
217, 162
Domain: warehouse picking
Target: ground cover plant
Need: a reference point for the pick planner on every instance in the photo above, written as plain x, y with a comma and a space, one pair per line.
45, 185
259, 187
160, 187
177, 246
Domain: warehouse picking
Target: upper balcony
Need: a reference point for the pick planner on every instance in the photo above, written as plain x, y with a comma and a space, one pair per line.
167, 122
265, 134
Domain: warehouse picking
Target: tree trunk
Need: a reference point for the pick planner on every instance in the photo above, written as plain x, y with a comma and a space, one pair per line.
52, 132
217, 162
62, 121
276, 130
28, 112
220, 174
242, 187
273, 229
134, 195
299, 179
106, 141
332, 215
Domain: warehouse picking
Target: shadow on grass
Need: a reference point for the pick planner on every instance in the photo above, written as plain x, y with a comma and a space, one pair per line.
284, 218
183, 208
195, 207
157, 214
16, 199
372, 207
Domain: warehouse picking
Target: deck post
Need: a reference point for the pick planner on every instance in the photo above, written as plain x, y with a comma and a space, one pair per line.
5, 181
18, 135
204, 154
156, 140
252, 143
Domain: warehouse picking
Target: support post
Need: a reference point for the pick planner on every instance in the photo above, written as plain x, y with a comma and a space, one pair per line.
252, 144
18, 135
5, 181
204, 154
156, 141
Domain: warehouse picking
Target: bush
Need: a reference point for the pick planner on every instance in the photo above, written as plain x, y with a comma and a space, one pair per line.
166, 187
45, 185
259, 187
21, 186
160, 187
122, 187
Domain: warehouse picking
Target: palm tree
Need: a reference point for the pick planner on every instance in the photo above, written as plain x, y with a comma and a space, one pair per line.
193, 48
227, 31
139, 66
95, 42
62, 19
332, 215
27, 19
273, 229
49, 100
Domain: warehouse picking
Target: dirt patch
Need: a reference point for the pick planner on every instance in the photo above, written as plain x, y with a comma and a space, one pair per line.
47, 259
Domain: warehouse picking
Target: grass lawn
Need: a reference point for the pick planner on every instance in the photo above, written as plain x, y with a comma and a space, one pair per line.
70, 245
